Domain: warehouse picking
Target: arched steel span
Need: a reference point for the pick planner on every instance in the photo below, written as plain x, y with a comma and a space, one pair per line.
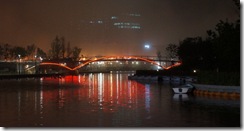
116, 58
56, 64
111, 58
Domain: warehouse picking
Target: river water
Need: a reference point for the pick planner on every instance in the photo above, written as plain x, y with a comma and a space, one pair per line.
109, 100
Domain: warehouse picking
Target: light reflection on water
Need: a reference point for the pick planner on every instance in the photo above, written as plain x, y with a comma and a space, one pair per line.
108, 100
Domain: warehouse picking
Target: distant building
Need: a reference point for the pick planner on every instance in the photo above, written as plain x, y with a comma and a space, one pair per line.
127, 21
122, 21
113, 31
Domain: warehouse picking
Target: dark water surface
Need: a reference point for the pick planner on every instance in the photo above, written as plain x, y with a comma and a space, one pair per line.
109, 100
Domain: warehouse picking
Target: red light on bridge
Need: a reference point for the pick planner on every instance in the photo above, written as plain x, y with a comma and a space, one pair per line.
111, 58
176, 64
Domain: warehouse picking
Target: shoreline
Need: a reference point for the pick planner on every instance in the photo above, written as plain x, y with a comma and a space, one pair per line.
217, 90
25, 76
200, 89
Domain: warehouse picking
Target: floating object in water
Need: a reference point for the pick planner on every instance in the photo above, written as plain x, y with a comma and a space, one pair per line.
187, 88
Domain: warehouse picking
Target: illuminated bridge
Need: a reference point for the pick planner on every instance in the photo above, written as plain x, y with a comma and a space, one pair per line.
120, 60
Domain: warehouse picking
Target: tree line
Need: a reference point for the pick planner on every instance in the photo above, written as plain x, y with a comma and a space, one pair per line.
219, 51
59, 49
30, 52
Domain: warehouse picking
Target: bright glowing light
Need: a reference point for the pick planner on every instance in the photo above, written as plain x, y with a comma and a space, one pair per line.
147, 46
101, 62
194, 71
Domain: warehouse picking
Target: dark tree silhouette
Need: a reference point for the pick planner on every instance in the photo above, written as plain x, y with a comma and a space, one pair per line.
41, 53
76, 52
18, 51
56, 48
226, 44
30, 50
171, 50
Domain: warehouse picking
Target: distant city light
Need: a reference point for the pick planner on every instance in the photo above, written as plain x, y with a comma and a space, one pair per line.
41, 58
114, 17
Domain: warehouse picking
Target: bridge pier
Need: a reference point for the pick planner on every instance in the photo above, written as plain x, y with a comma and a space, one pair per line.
73, 72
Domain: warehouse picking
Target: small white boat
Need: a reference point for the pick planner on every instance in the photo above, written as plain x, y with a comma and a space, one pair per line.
183, 89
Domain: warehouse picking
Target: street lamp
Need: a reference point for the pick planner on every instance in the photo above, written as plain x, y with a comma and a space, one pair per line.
147, 46
19, 62
35, 64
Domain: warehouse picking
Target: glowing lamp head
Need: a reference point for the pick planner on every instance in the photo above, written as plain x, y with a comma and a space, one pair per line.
147, 46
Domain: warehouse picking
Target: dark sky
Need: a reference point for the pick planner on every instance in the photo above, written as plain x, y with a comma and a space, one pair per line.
23, 22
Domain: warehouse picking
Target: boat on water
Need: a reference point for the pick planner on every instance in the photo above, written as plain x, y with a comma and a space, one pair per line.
183, 89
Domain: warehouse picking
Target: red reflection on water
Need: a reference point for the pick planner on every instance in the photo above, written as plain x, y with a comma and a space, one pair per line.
105, 92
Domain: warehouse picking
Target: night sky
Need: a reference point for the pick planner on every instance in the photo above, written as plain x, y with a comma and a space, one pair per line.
24, 22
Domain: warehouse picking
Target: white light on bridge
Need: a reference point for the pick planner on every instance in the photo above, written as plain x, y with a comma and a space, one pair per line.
159, 67
63, 64
41, 58
100, 62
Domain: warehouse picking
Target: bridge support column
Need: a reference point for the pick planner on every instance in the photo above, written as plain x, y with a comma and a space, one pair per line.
74, 72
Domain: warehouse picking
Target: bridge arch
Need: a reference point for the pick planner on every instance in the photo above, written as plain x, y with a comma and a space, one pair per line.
56, 64
110, 58
121, 57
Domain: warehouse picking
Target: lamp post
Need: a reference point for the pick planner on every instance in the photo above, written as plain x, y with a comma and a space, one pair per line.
35, 64
152, 47
19, 62
147, 46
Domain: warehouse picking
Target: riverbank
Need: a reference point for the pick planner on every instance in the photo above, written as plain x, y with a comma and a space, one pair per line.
202, 88
232, 92
25, 76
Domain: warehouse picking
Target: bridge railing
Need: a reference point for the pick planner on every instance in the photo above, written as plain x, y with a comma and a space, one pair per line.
155, 58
